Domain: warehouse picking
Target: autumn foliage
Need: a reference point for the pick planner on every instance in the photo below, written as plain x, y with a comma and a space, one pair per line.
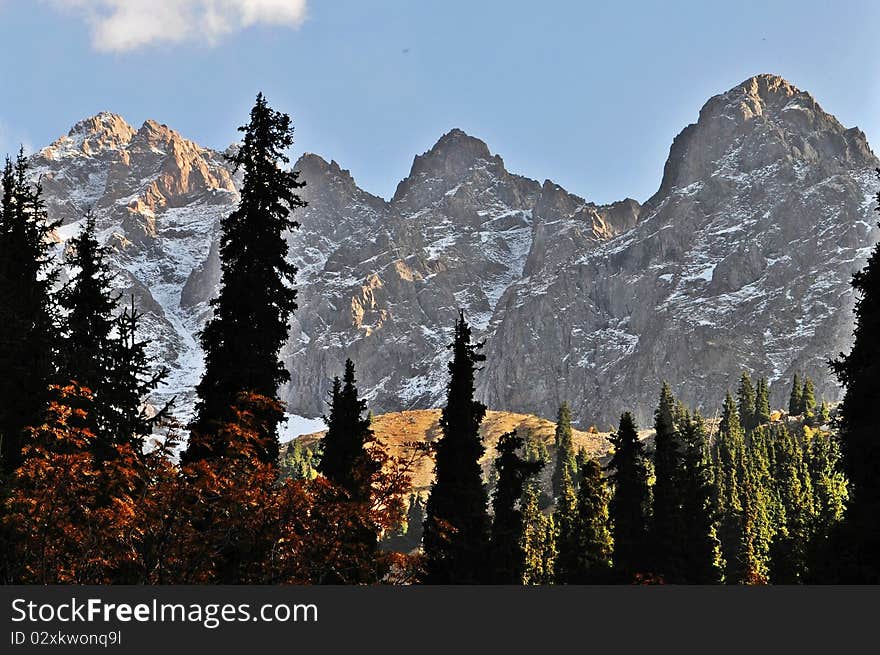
134, 518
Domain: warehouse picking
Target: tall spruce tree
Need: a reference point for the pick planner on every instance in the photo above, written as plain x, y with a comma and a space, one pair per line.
28, 318
729, 478
539, 533
251, 313
745, 399
457, 522
630, 501
132, 377
345, 460
701, 549
666, 525
89, 302
101, 351
795, 400
507, 558
585, 557
857, 545
566, 458
762, 403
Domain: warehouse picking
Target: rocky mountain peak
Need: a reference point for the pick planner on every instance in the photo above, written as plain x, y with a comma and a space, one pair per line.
90, 136
763, 122
450, 160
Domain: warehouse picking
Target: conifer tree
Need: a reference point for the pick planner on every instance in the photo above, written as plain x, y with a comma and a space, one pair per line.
745, 398
131, 378
566, 460
666, 526
630, 502
457, 523
538, 540
101, 352
507, 556
762, 403
565, 520
858, 542
28, 321
808, 400
795, 400
251, 314
729, 478
539, 532
701, 549
89, 302
824, 416
345, 461
585, 556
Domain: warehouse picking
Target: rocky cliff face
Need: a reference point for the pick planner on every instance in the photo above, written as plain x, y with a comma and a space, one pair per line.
741, 260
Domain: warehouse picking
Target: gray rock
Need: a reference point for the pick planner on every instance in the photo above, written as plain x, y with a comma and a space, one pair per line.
740, 261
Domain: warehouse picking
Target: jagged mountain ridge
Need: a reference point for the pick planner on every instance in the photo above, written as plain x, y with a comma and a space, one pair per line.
740, 260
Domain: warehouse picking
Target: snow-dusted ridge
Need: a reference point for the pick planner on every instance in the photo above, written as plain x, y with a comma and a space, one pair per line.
741, 260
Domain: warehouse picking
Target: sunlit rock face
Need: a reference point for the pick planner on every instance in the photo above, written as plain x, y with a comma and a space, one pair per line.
741, 260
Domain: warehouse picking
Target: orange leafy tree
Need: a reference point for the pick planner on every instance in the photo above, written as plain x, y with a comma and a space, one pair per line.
134, 518
242, 526
72, 520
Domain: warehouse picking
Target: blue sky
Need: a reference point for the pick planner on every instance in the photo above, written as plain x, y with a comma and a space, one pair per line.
588, 94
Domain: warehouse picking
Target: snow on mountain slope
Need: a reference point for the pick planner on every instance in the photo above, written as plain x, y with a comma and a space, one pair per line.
740, 260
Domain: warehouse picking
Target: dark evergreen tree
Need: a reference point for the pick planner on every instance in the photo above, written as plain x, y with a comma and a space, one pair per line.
89, 302
457, 522
28, 318
566, 460
795, 400
565, 520
101, 351
666, 526
630, 502
252, 311
131, 378
745, 399
701, 549
729, 474
858, 542
345, 460
585, 558
762, 403
506, 554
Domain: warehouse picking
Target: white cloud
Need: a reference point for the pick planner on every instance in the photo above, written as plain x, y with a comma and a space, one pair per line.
120, 25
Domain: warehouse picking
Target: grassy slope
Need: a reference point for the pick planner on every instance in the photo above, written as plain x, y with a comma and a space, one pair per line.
399, 430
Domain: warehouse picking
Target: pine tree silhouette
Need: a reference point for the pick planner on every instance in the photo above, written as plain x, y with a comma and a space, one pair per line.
700, 561
630, 502
344, 461
858, 542
251, 314
28, 317
506, 554
457, 522
585, 547
666, 526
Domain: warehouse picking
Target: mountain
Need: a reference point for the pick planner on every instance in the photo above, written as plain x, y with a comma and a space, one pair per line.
741, 260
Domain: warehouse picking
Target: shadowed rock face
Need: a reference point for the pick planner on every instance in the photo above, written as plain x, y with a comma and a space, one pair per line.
741, 260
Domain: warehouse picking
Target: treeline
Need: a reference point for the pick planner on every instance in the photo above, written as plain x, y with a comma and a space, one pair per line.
753, 497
